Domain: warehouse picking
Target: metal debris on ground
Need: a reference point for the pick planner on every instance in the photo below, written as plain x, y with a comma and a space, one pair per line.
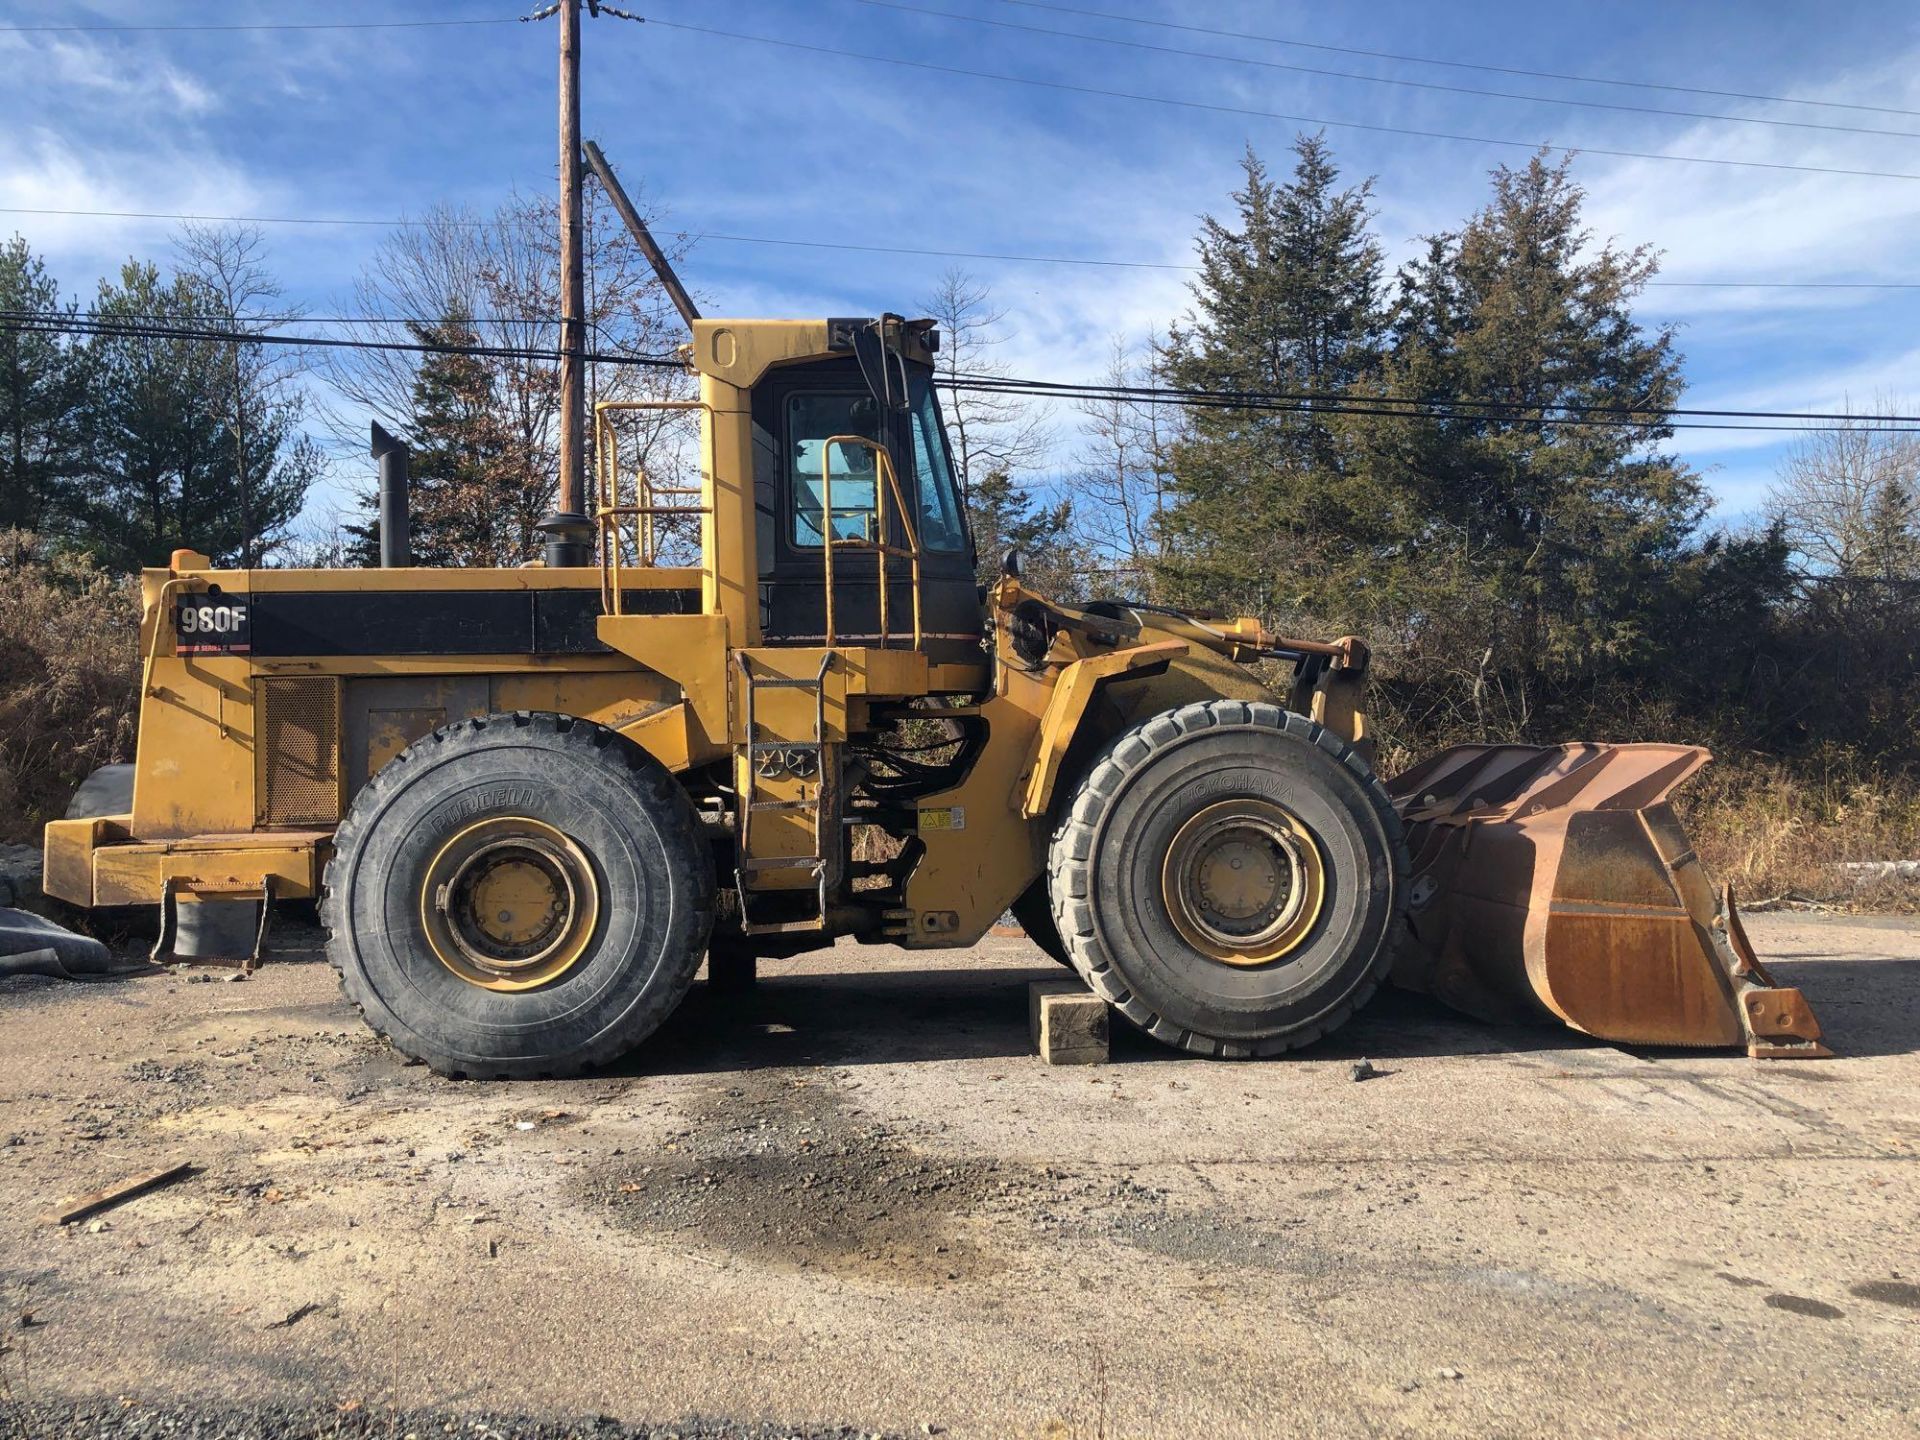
293, 1317
1365, 1070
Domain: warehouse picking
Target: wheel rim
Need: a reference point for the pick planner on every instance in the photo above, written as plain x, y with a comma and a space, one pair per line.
509, 904
1244, 881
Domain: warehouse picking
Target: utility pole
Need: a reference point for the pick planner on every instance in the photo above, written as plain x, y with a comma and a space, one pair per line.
643, 237
569, 530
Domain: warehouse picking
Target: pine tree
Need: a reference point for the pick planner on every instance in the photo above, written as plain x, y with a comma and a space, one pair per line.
1893, 530
1286, 302
270, 463
164, 463
467, 478
153, 429
1541, 546
43, 385
1004, 518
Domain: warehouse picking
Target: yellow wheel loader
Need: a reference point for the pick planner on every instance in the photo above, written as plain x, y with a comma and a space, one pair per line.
529, 801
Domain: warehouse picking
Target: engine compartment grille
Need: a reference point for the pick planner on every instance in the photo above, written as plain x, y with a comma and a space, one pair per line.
300, 733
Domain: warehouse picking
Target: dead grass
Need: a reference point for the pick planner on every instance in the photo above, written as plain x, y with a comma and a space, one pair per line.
1780, 831
69, 677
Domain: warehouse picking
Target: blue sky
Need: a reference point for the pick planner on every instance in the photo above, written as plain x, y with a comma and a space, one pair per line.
741, 138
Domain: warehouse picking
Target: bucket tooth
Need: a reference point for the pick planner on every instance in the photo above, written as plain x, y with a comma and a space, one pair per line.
1780, 1026
1777, 1019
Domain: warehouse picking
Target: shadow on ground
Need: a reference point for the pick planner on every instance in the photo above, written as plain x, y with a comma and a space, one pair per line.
1865, 1006
885, 1017
858, 1017
798, 1017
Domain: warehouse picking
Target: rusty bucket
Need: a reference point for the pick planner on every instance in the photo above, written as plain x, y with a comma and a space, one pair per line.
1555, 883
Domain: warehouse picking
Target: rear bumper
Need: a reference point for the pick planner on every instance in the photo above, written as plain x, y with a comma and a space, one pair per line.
97, 862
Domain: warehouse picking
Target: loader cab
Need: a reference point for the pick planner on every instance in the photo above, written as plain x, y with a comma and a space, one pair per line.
809, 484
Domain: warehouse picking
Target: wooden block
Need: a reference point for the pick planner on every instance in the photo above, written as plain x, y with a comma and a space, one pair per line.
1068, 1022
106, 1199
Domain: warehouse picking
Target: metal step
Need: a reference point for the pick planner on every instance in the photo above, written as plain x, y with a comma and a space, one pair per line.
785, 927
813, 686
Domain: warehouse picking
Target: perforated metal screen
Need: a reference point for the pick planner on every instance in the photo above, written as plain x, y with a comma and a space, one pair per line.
301, 731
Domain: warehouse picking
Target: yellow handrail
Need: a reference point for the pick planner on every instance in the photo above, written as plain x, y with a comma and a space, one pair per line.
883, 472
646, 506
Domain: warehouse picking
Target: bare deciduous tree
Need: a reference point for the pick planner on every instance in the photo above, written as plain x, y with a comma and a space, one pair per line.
989, 433
1121, 482
1848, 500
500, 274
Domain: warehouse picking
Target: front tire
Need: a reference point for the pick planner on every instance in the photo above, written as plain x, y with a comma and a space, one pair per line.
1230, 876
1034, 911
518, 896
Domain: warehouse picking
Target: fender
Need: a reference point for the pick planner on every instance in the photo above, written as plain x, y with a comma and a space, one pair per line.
1072, 693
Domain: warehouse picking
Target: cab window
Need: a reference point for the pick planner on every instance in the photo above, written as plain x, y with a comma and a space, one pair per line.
941, 527
813, 418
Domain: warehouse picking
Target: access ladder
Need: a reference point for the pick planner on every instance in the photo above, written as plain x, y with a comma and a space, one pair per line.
802, 760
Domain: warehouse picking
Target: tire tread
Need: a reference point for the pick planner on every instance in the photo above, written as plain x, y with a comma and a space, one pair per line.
1072, 848
654, 785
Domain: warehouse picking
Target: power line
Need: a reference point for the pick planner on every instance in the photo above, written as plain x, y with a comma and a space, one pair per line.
1787, 284
1360, 407
106, 326
1034, 5
313, 25
1622, 413
1460, 64
1385, 79
1218, 109
233, 219
295, 317
982, 255
540, 14
1482, 411
598, 326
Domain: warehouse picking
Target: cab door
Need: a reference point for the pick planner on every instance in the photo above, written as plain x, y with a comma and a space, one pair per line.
795, 412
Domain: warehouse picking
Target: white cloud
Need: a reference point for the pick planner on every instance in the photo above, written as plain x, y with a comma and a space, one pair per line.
135, 80
1744, 223
42, 170
1886, 383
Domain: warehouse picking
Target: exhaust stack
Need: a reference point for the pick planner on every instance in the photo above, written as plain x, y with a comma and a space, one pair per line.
396, 540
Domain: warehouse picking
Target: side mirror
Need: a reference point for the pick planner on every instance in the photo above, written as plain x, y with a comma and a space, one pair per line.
1011, 564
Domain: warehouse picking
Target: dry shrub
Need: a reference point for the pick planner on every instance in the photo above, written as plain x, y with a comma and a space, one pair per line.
69, 677
1775, 830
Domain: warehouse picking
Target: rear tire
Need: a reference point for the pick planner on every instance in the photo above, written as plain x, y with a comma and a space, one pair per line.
1150, 870
517, 896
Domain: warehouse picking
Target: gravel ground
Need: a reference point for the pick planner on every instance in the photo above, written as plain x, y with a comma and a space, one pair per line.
852, 1198
113, 1420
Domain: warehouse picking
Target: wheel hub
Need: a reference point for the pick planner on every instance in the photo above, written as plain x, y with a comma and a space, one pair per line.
1244, 881
509, 903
